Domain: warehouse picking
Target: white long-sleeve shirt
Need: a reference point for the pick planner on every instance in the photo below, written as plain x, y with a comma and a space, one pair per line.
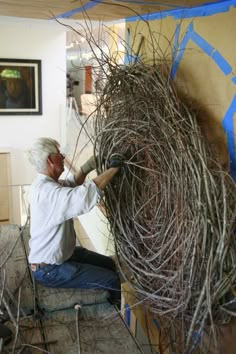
52, 208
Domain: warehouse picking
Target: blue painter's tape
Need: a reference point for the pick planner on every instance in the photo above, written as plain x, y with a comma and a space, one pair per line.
202, 43
131, 59
221, 62
176, 40
207, 48
180, 51
156, 323
228, 126
234, 80
128, 49
127, 314
208, 9
89, 5
197, 338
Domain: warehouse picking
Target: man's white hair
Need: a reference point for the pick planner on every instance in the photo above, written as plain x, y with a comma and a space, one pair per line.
40, 151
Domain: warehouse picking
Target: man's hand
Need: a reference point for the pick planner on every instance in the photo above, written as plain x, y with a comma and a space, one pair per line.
89, 165
116, 160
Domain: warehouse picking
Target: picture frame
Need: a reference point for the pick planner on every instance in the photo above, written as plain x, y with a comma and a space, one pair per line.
20, 87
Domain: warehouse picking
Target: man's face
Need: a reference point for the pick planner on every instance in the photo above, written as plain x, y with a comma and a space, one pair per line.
58, 162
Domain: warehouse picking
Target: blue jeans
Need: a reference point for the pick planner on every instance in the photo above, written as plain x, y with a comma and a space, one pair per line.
84, 269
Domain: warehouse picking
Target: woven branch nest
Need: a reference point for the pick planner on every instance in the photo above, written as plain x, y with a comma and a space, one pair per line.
172, 207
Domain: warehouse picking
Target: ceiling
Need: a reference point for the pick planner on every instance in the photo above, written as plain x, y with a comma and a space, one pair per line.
104, 10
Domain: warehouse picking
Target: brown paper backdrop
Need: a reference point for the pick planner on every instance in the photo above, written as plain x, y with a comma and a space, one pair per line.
198, 77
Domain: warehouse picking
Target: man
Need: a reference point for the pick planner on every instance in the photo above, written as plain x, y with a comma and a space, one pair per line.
55, 259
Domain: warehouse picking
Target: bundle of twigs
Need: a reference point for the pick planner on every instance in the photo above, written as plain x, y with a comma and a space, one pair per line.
172, 207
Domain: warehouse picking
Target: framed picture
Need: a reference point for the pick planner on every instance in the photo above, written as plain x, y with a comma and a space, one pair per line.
20, 87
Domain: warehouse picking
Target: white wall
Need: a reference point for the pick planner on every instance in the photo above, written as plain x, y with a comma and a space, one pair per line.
33, 39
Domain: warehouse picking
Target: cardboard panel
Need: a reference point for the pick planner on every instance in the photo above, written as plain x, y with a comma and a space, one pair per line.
99, 10
133, 310
202, 59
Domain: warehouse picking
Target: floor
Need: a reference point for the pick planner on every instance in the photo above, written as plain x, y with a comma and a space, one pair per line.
46, 319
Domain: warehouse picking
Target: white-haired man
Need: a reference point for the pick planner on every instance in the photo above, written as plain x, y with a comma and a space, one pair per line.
55, 259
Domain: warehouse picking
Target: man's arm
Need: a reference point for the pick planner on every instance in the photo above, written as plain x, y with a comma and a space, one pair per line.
80, 177
86, 168
104, 178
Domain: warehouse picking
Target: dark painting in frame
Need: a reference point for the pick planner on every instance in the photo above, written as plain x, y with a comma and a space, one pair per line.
20, 87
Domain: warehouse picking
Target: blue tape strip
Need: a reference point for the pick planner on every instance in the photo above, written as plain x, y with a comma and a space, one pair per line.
130, 59
128, 49
234, 80
89, 5
176, 41
202, 43
156, 323
197, 338
228, 126
224, 66
208, 9
127, 314
221, 62
181, 49
210, 51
